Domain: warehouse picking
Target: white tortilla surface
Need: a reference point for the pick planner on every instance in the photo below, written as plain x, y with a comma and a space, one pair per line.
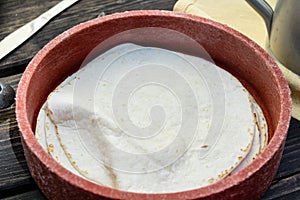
85, 136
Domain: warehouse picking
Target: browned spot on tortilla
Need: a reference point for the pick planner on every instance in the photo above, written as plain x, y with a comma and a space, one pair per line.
256, 122
246, 149
240, 157
69, 155
204, 146
223, 174
49, 96
49, 114
83, 172
113, 176
47, 126
265, 136
211, 180
55, 90
92, 121
256, 155
50, 148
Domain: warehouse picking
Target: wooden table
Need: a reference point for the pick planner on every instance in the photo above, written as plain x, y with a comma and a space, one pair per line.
15, 179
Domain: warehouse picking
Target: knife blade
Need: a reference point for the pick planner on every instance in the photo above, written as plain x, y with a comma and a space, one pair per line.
13, 40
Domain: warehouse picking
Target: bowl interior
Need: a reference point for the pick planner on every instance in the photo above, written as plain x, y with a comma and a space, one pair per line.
231, 51
64, 57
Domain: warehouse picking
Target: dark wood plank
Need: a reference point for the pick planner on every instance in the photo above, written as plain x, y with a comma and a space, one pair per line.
290, 162
286, 184
287, 188
14, 14
14, 174
31, 195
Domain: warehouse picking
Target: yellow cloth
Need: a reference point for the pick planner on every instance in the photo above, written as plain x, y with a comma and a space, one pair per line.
239, 15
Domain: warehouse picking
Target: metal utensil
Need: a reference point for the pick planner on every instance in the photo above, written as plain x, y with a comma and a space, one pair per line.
7, 95
283, 26
12, 41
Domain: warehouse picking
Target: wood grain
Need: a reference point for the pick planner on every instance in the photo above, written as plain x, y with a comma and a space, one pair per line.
286, 184
15, 179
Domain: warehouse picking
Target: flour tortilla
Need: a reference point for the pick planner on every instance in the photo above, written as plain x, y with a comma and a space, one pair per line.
256, 145
261, 124
40, 129
89, 137
260, 136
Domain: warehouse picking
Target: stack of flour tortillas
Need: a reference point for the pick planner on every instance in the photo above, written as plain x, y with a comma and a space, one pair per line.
151, 120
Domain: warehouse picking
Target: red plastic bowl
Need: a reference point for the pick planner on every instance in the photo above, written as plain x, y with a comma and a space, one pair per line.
229, 49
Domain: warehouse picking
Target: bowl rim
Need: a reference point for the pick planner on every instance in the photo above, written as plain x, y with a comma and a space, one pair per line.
28, 137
